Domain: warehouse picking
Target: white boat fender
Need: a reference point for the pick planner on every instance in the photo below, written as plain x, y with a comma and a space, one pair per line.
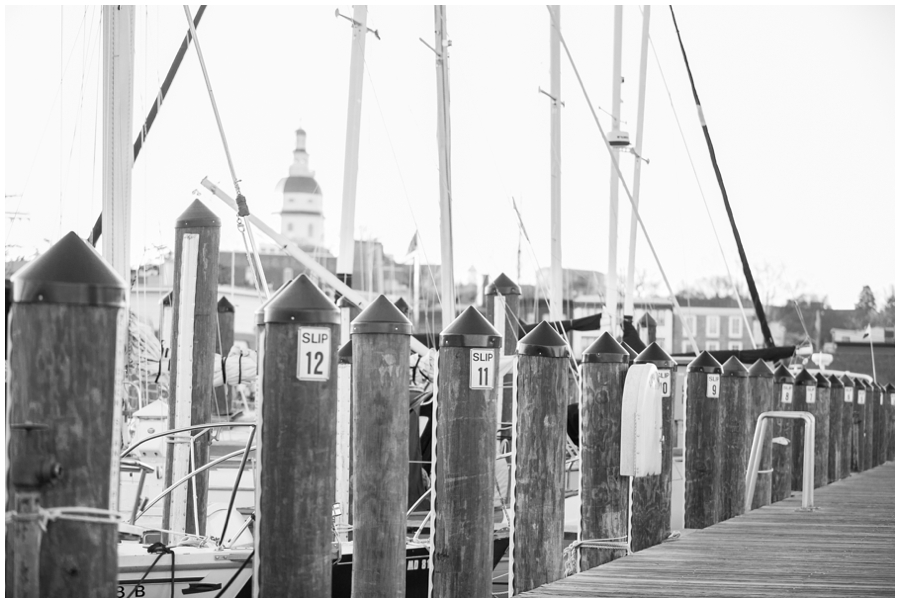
641, 422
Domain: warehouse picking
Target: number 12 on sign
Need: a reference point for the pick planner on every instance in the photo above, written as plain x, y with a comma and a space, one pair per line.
313, 353
481, 369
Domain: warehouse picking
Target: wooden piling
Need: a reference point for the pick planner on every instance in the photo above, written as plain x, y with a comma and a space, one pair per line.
734, 417
878, 428
380, 336
702, 442
848, 428
889, 421
224, 341
502, 301
66, 331
866, 445
603, 491
835, 428
343, 492
652, 495
762, 387
465, 428
296, 449
822, 412
804, 399
538, 453
859, 425
782, 435
191, 377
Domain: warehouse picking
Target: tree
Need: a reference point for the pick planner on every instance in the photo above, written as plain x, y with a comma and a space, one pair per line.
886, 316
866, 309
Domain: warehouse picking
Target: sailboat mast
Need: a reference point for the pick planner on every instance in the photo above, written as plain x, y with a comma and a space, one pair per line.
118, 156
556, 275
351, 148
448, 288
638, 145
609, 315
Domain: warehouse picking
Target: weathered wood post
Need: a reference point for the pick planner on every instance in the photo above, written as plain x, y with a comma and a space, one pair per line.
604, 492
465, 440
762, 398
878, 430
343, 491
538, 453
296, 448
652, 495
193, 347
866, 410
822, 413
702, 442
804, 399
782, 435
66, 334
734, 417
889, 405
859, 418
502, 301
847, 425
380, 368
835, 428
224, 342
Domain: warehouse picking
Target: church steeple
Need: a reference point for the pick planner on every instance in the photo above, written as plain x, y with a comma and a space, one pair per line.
300, 166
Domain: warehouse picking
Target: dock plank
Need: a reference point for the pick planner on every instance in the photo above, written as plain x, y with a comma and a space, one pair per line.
844, 548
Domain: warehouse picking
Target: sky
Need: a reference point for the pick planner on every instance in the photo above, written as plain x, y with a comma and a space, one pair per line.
799, 101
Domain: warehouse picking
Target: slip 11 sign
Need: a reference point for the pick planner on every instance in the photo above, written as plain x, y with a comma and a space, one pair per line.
481, 369
313, 353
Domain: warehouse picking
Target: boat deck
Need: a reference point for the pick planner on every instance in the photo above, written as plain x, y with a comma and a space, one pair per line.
845, 548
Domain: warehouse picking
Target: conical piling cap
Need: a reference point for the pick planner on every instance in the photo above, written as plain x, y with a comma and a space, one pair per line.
197, 215
848, 381
70, 272
804, 378
705, 363
260, 314
224, 306
345, 354
302, 302
502, 285
605, 349
782, 374
867, 384
470, 330
168, 299
402, 305
631, 353
543, 340
858, 383
760, 369
381, 316
735, 368
889, 388
879, 387
822, 381
835, 381
654, 354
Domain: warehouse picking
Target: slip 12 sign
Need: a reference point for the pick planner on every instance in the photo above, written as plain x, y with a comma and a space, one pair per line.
481, 369
313, 353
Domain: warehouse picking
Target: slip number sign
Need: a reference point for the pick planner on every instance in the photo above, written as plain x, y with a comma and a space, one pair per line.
712, 386
848, 394
810, 394
665, 383
481, 369
786, 392
313, 353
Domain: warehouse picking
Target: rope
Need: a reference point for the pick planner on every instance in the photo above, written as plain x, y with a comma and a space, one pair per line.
236, 574
236, 368
163, 550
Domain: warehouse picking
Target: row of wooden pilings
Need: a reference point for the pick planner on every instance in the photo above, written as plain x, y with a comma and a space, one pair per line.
68, 321
854, 421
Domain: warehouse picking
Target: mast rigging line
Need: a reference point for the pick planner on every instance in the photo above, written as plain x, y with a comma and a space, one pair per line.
154, 110
703, 196
754, 294
259, 276
618, 170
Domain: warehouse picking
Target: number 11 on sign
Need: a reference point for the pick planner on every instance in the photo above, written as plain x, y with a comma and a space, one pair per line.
481, 369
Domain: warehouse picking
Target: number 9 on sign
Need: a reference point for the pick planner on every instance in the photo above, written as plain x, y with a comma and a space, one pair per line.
313, 353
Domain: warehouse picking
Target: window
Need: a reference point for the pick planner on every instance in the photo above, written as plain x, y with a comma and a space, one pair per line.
712, 326
686, 347
290, 226
287, 274
712, 345
734, 345
310, 230
735, 327
661, 342
690, 323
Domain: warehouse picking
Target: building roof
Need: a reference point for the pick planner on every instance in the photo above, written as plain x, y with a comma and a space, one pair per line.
299, 184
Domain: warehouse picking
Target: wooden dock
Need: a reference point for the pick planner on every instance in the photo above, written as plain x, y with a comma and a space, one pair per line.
845, 548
